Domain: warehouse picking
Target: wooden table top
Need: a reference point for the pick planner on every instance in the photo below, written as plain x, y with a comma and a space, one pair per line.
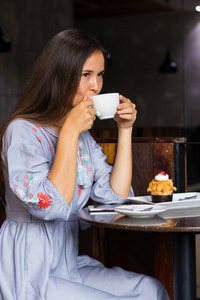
178, 220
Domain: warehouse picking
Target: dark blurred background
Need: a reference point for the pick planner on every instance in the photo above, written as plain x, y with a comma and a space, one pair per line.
154, 48
138, 35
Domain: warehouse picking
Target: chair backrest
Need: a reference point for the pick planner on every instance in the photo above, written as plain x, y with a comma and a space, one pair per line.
150, 156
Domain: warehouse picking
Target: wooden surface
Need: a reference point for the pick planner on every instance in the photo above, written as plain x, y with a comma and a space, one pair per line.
182, 220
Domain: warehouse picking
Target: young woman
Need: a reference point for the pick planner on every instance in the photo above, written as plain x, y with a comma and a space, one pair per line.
51, 167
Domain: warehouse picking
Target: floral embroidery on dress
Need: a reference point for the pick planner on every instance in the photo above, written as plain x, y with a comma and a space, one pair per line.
50, 132
39, 200
82, 170
44, 201
31, 179
79, 190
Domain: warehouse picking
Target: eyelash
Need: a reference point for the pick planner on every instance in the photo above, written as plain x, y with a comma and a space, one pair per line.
86, 74
101, 74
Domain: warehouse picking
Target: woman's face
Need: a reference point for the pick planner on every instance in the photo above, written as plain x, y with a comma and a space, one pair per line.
92, 77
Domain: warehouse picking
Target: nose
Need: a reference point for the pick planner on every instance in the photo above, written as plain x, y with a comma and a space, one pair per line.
94, 85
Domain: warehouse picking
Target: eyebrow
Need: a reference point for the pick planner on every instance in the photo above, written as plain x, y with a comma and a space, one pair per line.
90, 71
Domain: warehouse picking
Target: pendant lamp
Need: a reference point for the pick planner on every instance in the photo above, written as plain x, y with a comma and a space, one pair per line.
5, 45
168, 66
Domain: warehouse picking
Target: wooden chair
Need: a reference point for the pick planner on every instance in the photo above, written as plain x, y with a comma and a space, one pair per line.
136, 251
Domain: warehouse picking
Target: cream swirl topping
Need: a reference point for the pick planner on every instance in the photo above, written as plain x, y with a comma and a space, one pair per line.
162, 176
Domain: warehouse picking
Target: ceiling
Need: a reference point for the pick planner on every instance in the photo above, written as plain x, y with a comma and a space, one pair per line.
90, 9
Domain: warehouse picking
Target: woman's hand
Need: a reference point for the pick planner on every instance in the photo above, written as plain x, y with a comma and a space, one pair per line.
81, 117
126, 113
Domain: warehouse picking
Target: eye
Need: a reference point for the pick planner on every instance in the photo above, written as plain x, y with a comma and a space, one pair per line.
101, 74
86, 74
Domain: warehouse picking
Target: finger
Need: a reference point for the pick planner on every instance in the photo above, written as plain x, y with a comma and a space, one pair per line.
123, 99
126, 108
92, 111
128, 116
126, 111
126, 105
88, 102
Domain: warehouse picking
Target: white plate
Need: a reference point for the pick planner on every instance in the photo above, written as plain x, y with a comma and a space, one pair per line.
140, 211
140, 200
178, 201
181, 213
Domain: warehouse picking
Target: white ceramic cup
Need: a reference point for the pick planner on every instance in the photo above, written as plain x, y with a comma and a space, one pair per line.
106, 105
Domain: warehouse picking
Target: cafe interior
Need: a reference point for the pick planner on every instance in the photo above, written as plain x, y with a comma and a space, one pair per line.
154, 59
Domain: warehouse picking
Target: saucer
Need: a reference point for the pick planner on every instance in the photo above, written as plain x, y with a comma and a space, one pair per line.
140, 211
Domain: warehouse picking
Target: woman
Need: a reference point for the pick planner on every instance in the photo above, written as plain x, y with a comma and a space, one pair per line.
51, 167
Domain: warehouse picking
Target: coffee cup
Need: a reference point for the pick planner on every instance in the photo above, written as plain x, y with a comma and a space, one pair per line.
106, 105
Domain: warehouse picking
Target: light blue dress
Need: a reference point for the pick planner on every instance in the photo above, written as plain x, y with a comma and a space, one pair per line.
39, 239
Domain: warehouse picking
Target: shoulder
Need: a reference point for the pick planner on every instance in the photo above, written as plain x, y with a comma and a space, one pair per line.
20, 131
17, 124
18, 127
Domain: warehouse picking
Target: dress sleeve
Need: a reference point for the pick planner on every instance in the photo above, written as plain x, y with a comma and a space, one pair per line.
28, 169
101, 190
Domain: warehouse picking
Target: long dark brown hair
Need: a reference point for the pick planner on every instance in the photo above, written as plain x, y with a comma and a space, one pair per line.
50, 91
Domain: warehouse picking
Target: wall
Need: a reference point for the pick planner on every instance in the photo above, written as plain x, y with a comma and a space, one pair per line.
28, 25
138, 45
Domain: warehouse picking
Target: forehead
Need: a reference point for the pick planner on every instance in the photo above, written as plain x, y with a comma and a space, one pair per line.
95, 60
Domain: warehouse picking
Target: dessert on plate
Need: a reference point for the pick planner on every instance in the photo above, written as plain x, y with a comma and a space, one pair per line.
161, 188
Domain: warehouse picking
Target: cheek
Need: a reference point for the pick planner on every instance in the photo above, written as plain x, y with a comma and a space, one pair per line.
78, 98
100, 85
83, 87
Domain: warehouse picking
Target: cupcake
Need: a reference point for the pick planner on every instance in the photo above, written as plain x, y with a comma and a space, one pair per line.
161, 188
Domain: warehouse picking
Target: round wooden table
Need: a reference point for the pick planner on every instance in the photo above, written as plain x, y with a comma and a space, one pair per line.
184, 224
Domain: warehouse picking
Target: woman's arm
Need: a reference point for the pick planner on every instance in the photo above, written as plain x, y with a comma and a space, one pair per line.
121, 176
64, 169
